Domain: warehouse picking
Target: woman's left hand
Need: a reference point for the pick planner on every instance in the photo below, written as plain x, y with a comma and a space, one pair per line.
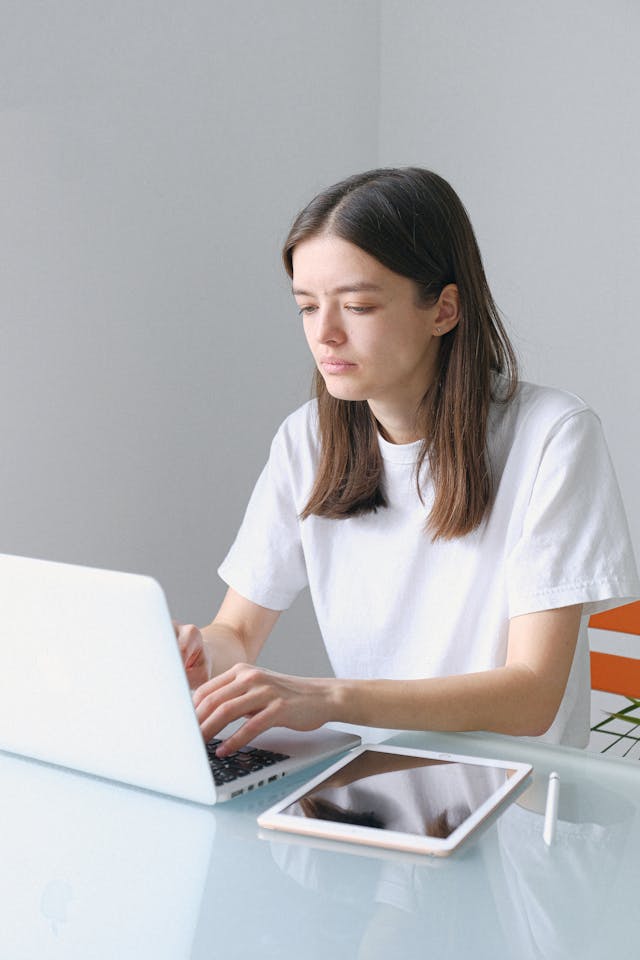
266, 699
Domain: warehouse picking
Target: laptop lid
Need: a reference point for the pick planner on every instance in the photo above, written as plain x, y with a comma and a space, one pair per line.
91, 678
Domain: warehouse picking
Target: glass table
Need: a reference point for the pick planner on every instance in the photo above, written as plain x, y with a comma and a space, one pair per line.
90, 868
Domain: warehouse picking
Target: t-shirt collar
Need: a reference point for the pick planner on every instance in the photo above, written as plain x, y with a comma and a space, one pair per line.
399, 452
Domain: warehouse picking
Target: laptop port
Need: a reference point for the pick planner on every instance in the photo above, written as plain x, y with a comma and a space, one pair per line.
271, 779
236, 793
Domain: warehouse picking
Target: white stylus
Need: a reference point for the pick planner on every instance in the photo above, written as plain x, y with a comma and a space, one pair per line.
551, 810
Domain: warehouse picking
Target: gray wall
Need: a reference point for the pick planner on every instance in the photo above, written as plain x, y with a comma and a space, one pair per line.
531, 111
152, 156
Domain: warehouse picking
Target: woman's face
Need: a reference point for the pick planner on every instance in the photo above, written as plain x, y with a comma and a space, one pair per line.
369, 339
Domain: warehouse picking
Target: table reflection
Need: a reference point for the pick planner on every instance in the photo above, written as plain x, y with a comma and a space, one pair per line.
89, 868
504, 894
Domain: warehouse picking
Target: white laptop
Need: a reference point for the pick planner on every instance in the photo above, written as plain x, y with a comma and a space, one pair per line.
91, 678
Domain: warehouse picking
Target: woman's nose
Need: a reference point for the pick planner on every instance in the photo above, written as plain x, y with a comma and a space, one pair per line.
329, 327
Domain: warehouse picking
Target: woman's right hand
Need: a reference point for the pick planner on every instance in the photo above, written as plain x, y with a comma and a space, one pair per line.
196, 655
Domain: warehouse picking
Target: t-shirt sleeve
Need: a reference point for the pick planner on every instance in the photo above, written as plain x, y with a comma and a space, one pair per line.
575, 545
266, 562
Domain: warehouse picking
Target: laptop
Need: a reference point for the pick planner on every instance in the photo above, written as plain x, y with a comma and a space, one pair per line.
91, 678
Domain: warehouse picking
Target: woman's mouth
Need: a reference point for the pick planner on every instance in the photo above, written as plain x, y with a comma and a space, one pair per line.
332, 365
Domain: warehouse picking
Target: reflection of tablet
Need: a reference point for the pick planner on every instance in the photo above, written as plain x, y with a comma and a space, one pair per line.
414, 800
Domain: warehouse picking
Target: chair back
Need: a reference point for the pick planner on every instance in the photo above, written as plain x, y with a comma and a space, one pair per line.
611, 673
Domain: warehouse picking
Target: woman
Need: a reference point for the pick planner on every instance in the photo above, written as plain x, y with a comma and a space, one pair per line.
455, 527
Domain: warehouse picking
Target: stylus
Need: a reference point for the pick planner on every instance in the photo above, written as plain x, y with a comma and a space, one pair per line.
551, 810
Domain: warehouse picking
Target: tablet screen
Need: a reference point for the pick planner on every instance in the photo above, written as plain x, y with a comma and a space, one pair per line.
422, 796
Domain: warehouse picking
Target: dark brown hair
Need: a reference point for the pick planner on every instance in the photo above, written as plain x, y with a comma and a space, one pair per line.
413, 222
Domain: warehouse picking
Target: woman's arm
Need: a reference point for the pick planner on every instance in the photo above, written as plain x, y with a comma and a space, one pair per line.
236, 635
521, 698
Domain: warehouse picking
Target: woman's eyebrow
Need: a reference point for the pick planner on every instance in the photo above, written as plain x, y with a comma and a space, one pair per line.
355, 287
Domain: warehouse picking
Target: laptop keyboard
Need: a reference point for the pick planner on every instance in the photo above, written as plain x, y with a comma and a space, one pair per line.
244, 761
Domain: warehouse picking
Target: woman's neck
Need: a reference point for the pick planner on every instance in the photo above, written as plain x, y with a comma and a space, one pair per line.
398, 430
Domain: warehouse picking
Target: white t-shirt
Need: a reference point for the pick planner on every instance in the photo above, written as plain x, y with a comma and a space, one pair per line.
392, 604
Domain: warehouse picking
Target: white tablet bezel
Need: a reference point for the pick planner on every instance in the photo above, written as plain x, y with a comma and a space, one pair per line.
275, 819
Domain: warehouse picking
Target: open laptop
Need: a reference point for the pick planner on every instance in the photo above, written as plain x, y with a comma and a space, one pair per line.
91, 678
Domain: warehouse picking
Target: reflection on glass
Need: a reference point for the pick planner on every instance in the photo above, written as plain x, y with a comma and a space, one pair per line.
510, 895
389, 791
93, 869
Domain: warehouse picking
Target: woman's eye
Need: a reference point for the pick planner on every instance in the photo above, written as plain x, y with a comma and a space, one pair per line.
351, 307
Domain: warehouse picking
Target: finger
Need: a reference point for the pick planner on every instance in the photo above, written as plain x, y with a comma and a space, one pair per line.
188, 637
241, 681
213, 725
216, 683
253, 727
215, 713
192, 655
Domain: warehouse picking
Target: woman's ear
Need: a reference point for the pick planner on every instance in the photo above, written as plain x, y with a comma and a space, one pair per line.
448, 312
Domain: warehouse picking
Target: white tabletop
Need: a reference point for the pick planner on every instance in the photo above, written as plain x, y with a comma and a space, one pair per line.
93, 869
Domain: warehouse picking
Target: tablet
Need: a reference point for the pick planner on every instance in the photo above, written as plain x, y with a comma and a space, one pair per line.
395, 797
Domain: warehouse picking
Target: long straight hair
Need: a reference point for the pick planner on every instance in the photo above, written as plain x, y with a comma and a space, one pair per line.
413, 222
